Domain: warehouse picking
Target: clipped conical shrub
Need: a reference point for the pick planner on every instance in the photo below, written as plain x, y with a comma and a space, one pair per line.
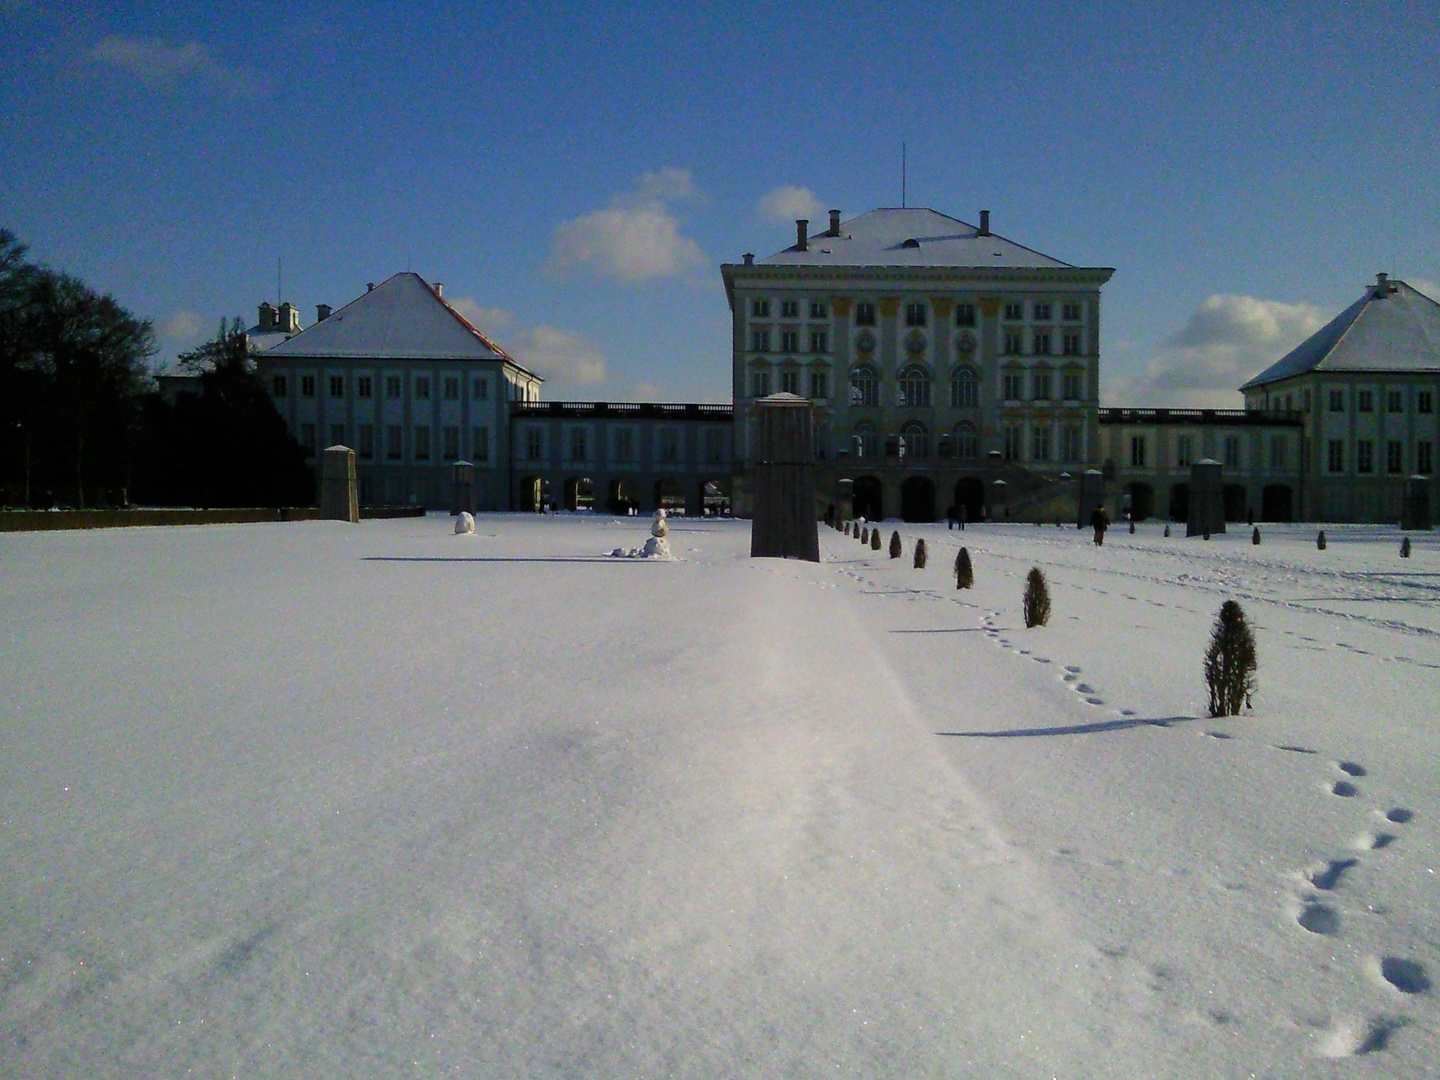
1167, 528
1255, 536
847, 528
920, 554
1037, 598
875, 540
1230, 662
895, 544
964, 573
1405, 547
1320, 540
1132, 526
865, 536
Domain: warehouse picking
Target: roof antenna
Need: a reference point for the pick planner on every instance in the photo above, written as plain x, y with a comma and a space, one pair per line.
902, 175
279, 281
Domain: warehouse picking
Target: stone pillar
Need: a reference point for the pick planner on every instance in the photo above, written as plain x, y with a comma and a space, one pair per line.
784, 525
339, 500
1092, 494
462, 488
1415, 505
1207, 498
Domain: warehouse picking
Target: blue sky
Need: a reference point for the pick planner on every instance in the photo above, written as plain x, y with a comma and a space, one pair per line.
575, 174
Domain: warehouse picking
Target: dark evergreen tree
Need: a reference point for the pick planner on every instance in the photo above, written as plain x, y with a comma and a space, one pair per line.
964, 573
1037, 598
875, 540
1255, 536
1320, 540
895, 544
1230, 662
920, 554
1405, 547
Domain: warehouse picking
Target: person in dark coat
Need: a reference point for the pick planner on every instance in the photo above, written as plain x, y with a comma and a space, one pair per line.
1100, 521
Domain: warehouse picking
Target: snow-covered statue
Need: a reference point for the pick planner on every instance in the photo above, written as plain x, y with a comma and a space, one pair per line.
658, 546
465, 523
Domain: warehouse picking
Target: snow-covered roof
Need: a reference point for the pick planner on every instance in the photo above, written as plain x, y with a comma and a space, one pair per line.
1393, 327
910, 237
402, 318
265, 340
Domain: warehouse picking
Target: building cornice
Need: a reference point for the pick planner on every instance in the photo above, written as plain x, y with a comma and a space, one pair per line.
739, 275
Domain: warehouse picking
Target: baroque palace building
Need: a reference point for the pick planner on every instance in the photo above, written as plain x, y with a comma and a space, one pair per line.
948, 366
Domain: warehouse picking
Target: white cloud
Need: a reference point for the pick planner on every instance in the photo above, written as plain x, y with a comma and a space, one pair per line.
1225, 342
637, 238
160, 65
489, 320
561, 357
1426, 286
181, 326
789, 202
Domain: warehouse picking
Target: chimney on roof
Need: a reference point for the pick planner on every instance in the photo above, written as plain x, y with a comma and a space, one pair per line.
439, 289
749, 258
834, 222
322, 312
289, 318
802, 234
370, 286
1383, 288
984, 223
267, 316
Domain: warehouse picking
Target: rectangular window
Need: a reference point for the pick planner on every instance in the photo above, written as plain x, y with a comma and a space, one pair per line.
337, 434
450, 442
1041, 343
864, 313
759, 309
1232, 451
1070, 343
479, 444
1365, 401
790, 382
819, 385
1070, 442
964, 314
1137, 451
1010, 385
1042, 312
760, 384
789, 341
669, 445
578, 445
1394, 401
480, 389
307, 439
789, 309
534, 444
364, 386
819, 310
422, 388
393, 449
366, 448
1335, 455
1073, 385
277, 386
1337, 400
1277, 451
1424, 402
1011, 345
392, 386
1012, 444
1394, 457
1184, 450
1424, 457
1040, 443
1014, 311
624, 444
915, 314
307, 385
1041, 384
450, 388
1364, 456
337, 385
759, 340
422, 442
1070, 312
819, 341
714, 445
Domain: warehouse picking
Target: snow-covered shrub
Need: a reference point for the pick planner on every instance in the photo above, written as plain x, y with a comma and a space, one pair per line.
964, 573
895, 544
1230, 662
875, 540
464, 524
1320, 540
1037, 598
920, 554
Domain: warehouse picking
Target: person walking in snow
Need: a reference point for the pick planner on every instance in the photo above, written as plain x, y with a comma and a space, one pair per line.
1100, 521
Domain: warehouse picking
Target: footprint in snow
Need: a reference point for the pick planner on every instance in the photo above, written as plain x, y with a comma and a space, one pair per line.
1399, 815
1354, 1038
1350, 768
1319, 919
1218, 735
1073, 669
1406, 976
1374, 841
1326, 876
1344, 789
1296, 749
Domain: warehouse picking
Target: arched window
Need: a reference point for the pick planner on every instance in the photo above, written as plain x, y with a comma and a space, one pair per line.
864, 386
866, 440
966, 448
964, 393
914, 387
915, 441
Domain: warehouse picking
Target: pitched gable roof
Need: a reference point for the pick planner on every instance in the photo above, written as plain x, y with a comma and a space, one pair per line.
910, 237
402, 318
1393, 327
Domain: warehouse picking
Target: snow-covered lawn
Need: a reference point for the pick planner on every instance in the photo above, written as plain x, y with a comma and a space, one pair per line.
321, 800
